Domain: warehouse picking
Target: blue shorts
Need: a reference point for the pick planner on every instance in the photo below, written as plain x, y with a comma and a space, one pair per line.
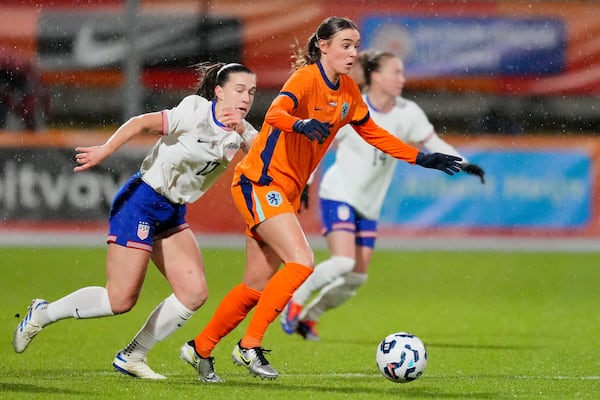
341, 216
139, 216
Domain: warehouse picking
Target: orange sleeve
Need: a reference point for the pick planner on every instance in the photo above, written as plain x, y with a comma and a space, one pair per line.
385, 141
280, 115
284, 109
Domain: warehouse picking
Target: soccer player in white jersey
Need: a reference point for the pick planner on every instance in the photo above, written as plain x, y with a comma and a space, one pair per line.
353, 189
198, 139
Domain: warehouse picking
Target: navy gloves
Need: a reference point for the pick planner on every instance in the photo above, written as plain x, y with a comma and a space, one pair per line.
313, 129
473, 169
444, 162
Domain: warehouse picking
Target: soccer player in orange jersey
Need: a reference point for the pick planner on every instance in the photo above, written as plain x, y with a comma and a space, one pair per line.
317, 100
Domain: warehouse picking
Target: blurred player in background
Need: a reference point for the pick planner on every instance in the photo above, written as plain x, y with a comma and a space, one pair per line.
199, 137
315, 102
353, 189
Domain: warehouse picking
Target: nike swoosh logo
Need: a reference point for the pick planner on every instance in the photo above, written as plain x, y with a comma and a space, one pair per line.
77, 313
90, 52
247, 362
277, 310
319, 109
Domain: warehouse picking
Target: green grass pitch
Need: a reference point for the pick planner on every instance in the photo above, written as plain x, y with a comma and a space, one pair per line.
497, 325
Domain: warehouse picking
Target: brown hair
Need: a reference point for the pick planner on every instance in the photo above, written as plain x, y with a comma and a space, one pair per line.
212, 75
371, 60
328, 28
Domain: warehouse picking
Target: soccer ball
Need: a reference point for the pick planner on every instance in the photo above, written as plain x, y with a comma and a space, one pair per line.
401, 357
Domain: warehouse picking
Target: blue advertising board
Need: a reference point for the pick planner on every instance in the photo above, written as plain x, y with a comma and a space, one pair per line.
463, 46
536, 189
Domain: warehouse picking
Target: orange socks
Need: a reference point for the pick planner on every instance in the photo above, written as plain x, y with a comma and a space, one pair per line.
234, 307
274, 298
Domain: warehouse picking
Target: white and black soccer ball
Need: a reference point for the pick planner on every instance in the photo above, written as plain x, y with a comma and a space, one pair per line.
401, 357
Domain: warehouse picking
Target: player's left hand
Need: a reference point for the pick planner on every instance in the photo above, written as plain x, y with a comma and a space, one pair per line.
305, 198
444, 162
474, 169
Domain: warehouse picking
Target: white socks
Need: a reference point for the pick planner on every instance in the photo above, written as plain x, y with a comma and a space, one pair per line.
93, 302
333, 296
88, 302
325, 273
166, 318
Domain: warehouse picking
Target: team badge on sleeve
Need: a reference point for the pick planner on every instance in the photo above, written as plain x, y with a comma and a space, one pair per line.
274, 198
143, 230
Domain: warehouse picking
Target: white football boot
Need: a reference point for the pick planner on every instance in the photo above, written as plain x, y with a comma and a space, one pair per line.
29, 327
135, 368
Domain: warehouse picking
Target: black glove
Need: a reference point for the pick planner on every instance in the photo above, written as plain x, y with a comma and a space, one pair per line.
305, 198
312, 129
444, 162
474, 169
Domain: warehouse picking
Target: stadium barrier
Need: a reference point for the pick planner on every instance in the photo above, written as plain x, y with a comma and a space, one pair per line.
536, 187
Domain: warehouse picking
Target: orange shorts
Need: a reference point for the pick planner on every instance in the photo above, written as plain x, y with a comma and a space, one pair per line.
257, 203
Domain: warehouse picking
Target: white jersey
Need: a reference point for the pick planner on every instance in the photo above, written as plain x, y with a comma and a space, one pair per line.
192, 153
361, 174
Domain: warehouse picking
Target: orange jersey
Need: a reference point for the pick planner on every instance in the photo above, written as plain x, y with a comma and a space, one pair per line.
287, 157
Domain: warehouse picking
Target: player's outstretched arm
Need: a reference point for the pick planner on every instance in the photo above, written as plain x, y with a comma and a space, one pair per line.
88, 157
474, 169
444, 162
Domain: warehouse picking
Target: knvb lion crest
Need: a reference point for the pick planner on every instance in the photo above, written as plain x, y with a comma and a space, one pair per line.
345, 109
274, 198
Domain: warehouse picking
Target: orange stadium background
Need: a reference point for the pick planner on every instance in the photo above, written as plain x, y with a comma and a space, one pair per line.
271, 26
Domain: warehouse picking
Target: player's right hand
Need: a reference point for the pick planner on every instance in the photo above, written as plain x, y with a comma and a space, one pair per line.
313, 129
232, 118
88, 157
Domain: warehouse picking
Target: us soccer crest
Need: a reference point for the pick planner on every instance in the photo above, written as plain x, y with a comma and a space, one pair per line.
230, 150
143, 230
343, 212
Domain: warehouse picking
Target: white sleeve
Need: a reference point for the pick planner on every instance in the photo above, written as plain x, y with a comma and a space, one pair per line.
184, 116
435, 144
422, 131
418, 128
